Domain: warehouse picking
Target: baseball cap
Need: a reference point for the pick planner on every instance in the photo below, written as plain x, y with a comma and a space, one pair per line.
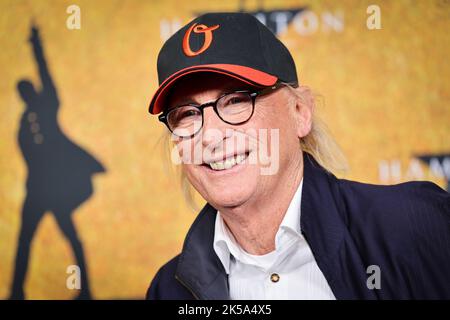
234, 44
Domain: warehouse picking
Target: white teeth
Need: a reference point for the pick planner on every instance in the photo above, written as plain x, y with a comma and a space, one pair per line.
227, 163
240, 158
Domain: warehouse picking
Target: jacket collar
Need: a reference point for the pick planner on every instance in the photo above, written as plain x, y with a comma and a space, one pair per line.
322, 220
200, 270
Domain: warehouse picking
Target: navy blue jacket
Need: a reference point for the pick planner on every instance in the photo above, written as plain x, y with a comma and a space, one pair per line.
404, 229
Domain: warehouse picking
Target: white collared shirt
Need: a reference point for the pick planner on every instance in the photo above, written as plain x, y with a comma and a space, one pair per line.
291, 263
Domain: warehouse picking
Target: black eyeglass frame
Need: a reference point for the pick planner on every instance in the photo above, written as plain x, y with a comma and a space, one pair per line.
253, 94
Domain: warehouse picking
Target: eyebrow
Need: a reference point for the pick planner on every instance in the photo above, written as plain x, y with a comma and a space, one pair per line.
188, 100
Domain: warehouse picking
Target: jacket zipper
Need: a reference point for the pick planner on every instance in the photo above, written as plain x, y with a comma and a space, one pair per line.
187, 287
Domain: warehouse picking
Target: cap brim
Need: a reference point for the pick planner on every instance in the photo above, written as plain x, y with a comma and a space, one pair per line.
248, 75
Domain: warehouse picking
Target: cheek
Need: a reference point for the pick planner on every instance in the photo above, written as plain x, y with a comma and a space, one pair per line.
189, 171
278, 125
275, 116
188, 152
194, 177
183, 147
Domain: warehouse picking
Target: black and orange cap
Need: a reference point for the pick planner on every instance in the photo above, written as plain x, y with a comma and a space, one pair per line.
233, 44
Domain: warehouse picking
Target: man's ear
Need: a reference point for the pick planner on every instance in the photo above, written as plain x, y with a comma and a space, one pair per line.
304, 110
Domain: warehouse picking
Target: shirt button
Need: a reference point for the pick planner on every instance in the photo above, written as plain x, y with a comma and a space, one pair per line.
274, 277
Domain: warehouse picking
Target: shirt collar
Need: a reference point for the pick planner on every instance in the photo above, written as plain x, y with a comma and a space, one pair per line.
225, 245
291, 220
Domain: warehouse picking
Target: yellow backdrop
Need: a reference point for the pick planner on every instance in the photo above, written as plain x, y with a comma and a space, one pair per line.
386, 93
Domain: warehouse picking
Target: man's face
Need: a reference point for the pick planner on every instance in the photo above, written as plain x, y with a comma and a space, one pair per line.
248, 160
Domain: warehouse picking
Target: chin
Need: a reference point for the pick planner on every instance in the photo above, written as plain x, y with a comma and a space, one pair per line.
231, 195
228, 201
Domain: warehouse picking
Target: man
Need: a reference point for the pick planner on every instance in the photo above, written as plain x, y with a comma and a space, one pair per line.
281, 226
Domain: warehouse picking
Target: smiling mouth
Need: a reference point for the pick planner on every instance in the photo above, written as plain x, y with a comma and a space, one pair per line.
227, 163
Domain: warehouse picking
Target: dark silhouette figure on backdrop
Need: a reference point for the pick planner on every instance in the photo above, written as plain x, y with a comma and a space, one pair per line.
59, 172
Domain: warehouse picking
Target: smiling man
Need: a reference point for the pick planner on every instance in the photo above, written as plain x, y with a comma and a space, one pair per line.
229, 95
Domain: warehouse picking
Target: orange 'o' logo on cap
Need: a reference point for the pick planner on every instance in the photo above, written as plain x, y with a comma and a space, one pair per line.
201, 28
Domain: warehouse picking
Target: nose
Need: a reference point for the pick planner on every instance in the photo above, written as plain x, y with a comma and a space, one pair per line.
214, 129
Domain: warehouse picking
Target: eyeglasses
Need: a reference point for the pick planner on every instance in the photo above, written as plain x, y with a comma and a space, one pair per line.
233, 108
